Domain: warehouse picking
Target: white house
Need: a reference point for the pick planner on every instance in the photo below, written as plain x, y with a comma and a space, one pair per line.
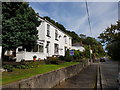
52, 42
78, 46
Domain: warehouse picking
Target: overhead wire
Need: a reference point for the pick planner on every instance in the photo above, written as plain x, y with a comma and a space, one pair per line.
89, 28
88, 18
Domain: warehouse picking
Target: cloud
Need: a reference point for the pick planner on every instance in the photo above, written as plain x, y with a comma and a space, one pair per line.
102, 16
71, 0
35, 6
73, 15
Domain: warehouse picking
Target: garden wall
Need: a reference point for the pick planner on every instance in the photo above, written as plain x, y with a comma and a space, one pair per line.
47, 80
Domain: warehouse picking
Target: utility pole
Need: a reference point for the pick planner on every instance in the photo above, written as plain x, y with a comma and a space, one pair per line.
90, 30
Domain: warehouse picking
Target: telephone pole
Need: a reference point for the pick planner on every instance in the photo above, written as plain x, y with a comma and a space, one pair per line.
89, 29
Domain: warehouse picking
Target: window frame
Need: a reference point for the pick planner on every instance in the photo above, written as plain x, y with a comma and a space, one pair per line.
41, 50
56, 34
65, 37
47, 47
48, 30
35, 49
56, 48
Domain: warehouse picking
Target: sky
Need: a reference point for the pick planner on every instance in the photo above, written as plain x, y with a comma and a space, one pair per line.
73, 15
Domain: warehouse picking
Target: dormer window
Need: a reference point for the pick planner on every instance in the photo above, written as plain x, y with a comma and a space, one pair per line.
56, 34
48, 30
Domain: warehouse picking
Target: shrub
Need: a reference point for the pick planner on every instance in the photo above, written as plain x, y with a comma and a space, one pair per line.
21, 66
53, 60
27, 65
34, 64
68, 58
76, 54
62, 58
8, 67
78, 60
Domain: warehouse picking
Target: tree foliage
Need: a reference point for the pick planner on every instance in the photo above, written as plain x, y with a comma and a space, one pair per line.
75, 37
18, 25
94, 45
111, 36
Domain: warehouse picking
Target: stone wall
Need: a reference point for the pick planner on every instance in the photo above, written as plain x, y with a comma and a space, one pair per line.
47, 80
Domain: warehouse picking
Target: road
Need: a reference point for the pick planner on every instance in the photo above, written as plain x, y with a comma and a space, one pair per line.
85, 79
109, 74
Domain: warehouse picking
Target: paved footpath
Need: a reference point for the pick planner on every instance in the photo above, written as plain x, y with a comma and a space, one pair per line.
85, 79
109, 74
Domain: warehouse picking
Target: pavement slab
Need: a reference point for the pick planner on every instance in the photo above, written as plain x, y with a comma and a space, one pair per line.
109, 74
85, 79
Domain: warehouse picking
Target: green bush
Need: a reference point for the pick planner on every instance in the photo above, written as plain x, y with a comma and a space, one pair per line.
21, 67
79, 60
68, 58
8, 67
77, 55
33, 64
62, 58
53, 60
27, 65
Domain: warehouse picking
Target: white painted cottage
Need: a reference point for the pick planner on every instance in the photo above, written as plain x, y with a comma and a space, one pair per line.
78, 46
52, 42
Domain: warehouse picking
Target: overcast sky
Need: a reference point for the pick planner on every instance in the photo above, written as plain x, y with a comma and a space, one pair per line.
73, 15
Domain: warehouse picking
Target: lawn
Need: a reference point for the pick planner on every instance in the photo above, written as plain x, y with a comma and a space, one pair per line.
18, 74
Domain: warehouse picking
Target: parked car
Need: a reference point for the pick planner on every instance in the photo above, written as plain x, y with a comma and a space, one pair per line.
102, 59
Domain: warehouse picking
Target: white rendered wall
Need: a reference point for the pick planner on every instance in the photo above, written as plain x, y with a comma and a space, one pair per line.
60, 42
28, 56
41, 31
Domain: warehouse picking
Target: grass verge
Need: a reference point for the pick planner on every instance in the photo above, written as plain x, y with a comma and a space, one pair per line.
18, 74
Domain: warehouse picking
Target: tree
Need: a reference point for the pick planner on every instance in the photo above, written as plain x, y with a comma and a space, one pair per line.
113, 50
95, 45
19, 24
60, 26
82, 36
75, 37
111, 36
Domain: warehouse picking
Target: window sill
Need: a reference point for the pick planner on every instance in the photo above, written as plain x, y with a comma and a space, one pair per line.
56, 53
56, 39
48, 36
